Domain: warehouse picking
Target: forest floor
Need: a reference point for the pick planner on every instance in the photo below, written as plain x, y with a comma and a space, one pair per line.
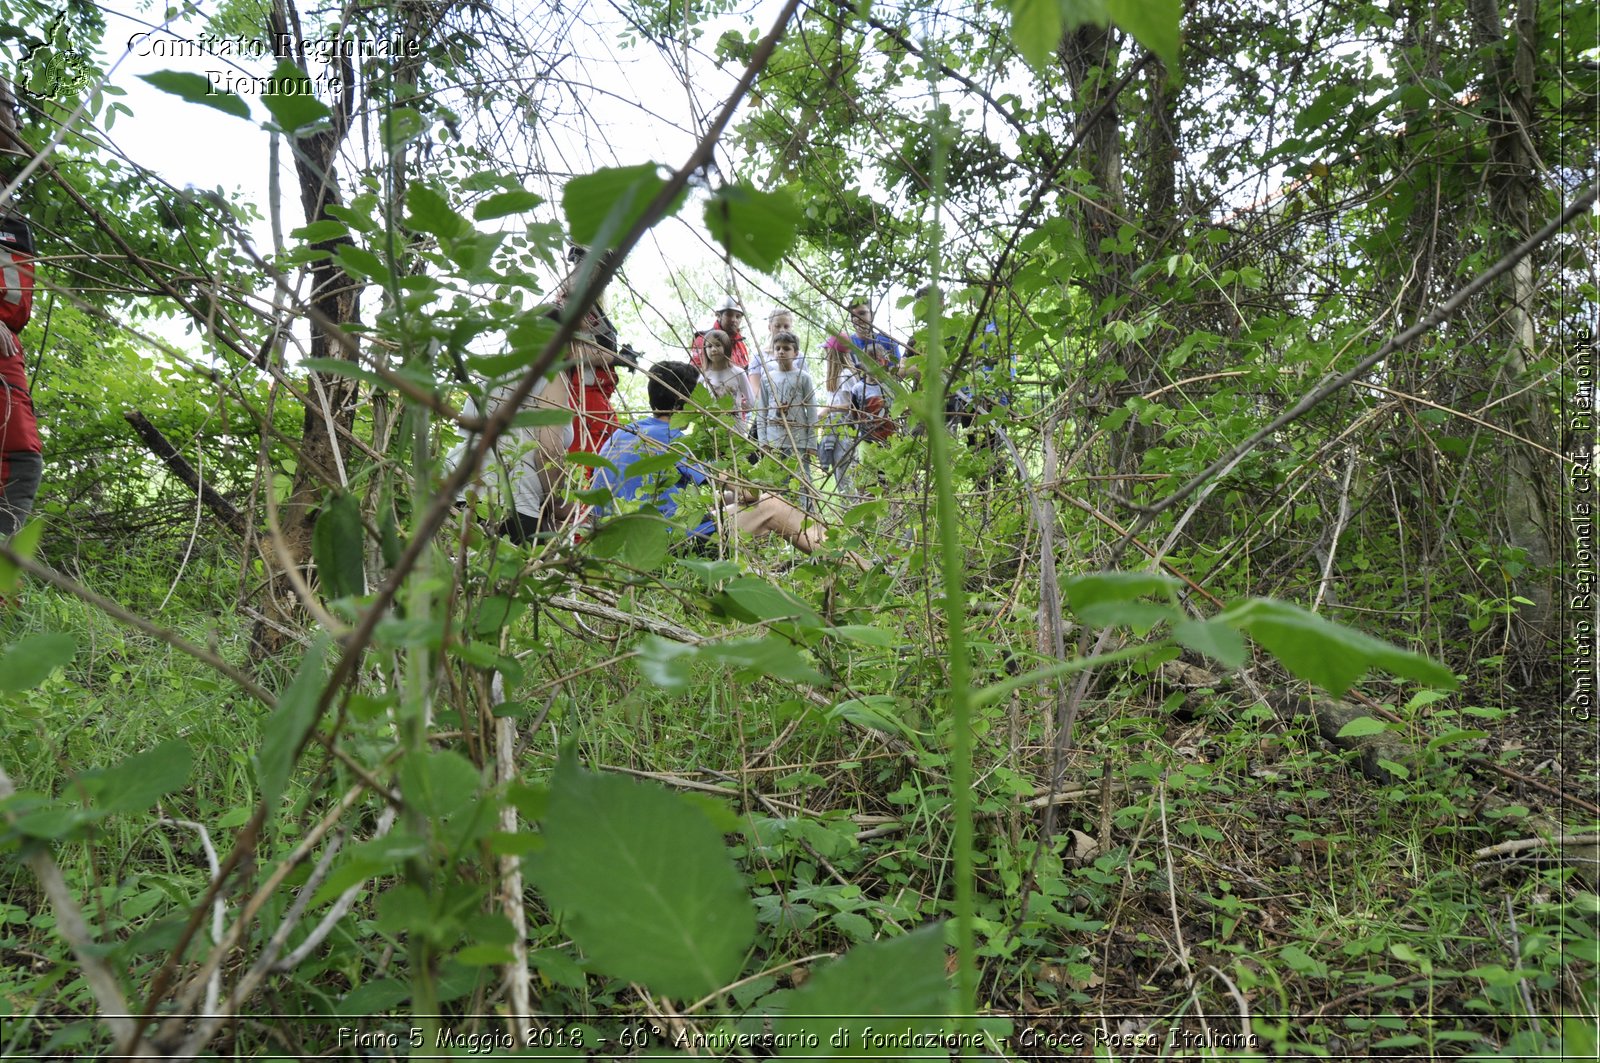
1217, 879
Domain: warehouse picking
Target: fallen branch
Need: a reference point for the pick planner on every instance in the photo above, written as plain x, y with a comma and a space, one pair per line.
162, 448
1061, 797
643, 623
1522, 845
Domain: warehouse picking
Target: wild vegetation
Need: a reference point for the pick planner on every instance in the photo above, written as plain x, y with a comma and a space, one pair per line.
1221, 686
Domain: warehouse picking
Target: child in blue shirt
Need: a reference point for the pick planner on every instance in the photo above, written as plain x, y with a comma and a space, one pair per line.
671, 384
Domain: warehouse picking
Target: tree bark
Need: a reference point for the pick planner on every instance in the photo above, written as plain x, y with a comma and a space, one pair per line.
1525, 518
8, 119
1089, 57
332, 399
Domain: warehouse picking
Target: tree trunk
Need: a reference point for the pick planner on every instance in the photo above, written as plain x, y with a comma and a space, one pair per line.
1089, 56
332, 400
1524, 517
162, 448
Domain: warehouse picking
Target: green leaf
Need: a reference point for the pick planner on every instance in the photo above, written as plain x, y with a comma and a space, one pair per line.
340, 367
474, 253
336, 546
1399, 771
545, 418
389, 544
25, 542
711, 571
1302, 962
1425, 697
294, 105
665, 663
53, 822
649, 890
758, 228
1036, 27
1096, 587
484, 955
1325, 653
1140, 616
486, 656
373, 998
318, 231
141, 780
897, 986
400, 126
603, 206
865, 634
288, 724
1456, 736
753, 600
30, 661
1579, 1037
772, 657
873, 710
431, 213
503, 203
367, 859
438, 783
559, 968
524, 341
196, 89
1153, 23
495, 613
638, 540
1361, 727
650, 466
1211, 637
361, 263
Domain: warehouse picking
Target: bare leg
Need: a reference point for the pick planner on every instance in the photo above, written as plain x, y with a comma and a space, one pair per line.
771, 515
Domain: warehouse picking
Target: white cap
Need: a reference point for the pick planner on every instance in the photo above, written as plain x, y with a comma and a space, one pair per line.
730, 303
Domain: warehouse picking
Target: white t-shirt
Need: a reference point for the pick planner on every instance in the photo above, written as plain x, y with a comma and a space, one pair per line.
731, 381
836, 418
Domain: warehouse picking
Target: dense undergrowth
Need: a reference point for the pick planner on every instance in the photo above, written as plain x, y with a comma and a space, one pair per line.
1218, 877
1237, 598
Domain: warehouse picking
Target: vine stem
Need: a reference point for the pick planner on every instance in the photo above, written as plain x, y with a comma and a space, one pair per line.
953, 574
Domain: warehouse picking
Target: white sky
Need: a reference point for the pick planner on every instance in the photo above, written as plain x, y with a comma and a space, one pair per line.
646, 112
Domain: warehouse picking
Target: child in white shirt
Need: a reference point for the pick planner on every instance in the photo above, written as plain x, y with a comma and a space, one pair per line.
789, 406
721, 377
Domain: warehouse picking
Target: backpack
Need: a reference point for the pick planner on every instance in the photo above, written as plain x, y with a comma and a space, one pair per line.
873, 422
16, 273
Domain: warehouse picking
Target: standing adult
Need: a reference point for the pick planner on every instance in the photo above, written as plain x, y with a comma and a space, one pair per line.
21, 454
730, 319
863, 334
593, 381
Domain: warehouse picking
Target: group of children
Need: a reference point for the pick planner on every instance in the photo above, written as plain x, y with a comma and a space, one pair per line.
776, 401
773, 400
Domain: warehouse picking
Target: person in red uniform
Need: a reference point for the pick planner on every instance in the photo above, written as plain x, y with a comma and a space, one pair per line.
729, 318
592, 382
21, 455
